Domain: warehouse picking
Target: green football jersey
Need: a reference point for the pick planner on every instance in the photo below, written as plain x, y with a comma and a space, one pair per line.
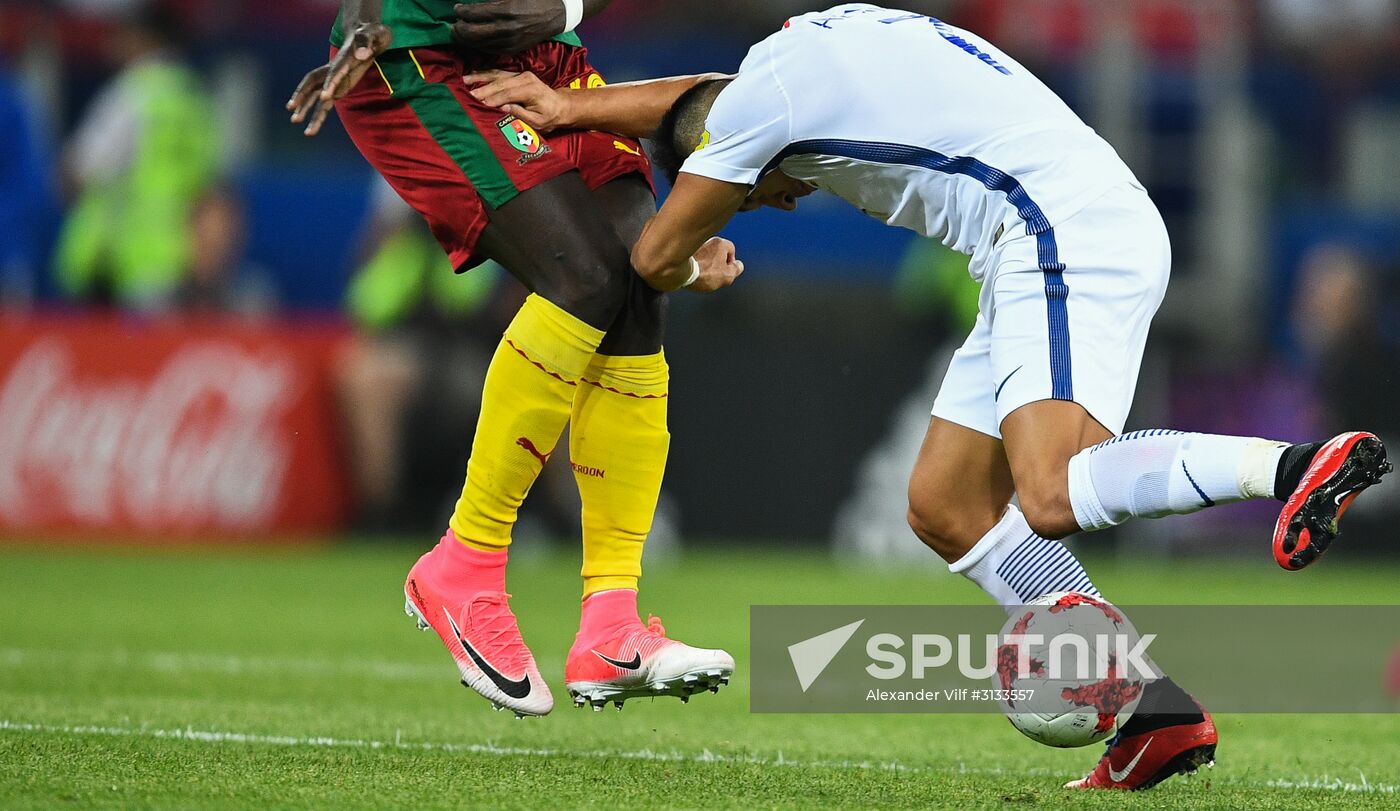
422, 24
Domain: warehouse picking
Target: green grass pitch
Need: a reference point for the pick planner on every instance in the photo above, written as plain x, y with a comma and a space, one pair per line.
292, 679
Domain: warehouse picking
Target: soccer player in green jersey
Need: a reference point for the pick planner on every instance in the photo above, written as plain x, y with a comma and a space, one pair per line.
561, 213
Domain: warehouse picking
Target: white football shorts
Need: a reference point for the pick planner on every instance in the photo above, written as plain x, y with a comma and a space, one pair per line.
1063, 315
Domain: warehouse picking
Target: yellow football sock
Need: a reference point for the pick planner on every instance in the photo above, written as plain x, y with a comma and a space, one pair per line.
618, 443
525, 404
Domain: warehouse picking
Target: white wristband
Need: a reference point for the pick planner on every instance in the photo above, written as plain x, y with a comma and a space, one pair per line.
694, 272
573, 14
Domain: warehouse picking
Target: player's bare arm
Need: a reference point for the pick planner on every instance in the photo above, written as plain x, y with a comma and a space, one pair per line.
697, 208
511, 26
634, 109
695, 211
319, 90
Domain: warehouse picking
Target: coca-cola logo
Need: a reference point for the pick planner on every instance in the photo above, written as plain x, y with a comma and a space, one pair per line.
194, 446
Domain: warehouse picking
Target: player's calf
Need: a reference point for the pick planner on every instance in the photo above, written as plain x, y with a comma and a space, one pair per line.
1015, 565
945, 529
1045, 503
959, 488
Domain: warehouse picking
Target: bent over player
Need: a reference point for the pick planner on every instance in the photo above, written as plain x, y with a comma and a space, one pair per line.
931, 128
585, 349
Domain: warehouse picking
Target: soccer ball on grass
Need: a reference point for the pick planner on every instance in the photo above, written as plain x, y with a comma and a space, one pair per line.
1065, 674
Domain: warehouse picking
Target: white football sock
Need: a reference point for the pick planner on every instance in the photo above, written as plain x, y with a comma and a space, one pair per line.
1014, 565
1149, 474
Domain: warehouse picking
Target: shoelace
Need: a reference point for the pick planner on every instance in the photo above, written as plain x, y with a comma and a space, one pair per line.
494, 621
639, 638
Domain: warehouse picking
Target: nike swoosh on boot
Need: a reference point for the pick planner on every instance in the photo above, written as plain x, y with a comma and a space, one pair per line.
1119, 777
515, 688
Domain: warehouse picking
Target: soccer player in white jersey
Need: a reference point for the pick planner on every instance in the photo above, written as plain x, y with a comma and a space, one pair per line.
932, 128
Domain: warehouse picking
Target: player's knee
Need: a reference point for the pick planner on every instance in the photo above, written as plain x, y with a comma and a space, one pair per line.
592, 288
925, 524
936, 524
588, 281
1048, 511
640, 327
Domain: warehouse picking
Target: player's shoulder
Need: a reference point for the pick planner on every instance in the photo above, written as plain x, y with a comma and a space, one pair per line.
789, 50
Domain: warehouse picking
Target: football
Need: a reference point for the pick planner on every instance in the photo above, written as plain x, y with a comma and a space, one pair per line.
1063, 670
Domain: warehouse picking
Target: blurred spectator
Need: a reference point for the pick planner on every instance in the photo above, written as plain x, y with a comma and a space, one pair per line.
1342, 307
1338, 317
410, 383
143, 154
26, 194
218, 280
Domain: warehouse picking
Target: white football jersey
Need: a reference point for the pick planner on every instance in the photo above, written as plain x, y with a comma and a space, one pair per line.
915, 122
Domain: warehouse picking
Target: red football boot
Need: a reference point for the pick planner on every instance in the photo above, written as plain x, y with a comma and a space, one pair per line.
1171, 733
1338, 472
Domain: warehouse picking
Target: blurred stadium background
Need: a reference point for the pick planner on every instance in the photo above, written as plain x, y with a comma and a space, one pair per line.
214, 328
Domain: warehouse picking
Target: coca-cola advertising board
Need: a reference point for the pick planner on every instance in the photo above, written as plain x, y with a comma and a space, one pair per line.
167, 429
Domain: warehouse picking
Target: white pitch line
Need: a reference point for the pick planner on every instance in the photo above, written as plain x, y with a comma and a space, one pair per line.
170, 662
1329, 783
1324, 783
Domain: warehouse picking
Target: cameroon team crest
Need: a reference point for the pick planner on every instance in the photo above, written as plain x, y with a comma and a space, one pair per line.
523, 137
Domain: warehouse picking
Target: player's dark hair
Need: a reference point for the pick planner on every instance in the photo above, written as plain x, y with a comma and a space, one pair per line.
684, 125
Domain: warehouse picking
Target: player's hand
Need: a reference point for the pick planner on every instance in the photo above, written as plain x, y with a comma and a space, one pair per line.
507, 26
323, 87
718, 266
522, 95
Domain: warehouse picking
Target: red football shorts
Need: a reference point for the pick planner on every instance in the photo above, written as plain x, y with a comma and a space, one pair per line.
453, 158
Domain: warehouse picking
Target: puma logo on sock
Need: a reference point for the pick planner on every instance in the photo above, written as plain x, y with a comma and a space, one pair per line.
529, 446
